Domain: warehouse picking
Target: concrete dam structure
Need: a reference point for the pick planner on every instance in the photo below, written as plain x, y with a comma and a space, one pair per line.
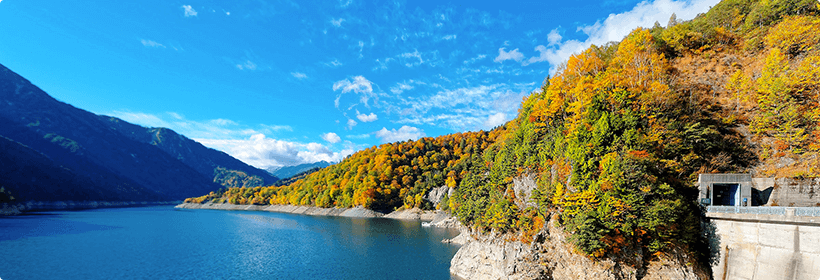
771, 243
752, 236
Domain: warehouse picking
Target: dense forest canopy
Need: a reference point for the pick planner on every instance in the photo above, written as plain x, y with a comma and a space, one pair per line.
616, 138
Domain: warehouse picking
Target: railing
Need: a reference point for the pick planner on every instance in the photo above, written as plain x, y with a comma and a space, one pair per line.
767, 210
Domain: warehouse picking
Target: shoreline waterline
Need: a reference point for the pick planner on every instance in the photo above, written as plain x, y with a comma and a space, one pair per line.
356, 212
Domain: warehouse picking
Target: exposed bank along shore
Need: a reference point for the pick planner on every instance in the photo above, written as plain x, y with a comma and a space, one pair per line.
429, 217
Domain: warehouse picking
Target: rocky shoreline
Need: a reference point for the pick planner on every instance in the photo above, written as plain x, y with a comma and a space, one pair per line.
426, 216
10, 209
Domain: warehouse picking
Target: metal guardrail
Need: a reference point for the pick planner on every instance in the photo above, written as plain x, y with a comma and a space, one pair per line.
766, 210
807, 211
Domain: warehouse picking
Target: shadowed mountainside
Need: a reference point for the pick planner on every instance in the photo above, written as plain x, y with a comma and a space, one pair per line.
108, 159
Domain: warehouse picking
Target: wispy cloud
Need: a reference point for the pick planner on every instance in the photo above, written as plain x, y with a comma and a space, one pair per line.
337, 22
331, 137
359, 85
151, 44
511, 55
401, 87
333, 63
246, 65
298, 75
475, 59
402, 134
464, 108
189, 11
359, 136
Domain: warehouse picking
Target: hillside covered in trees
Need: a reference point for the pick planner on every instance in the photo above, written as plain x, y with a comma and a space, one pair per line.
616, 138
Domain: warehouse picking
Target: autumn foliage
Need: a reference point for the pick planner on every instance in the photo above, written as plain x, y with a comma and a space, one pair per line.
616, 138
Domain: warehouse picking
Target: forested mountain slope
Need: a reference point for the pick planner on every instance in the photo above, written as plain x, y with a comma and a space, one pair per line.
616, 138
103, 157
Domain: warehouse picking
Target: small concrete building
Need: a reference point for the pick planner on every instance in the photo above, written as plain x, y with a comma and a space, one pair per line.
725, 189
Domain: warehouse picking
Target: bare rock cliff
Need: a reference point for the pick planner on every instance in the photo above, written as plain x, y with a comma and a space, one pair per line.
550, 256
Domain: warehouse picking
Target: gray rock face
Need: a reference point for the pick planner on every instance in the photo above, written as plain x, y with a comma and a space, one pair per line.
436, 194
494, 258
552, 257
523, 187
443, 219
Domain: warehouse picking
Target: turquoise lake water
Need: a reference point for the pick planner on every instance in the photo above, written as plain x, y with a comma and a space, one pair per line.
165, 243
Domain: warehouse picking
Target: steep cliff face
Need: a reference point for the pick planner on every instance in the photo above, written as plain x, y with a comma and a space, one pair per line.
550, 256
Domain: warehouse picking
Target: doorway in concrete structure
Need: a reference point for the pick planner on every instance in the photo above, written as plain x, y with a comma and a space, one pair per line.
725, 194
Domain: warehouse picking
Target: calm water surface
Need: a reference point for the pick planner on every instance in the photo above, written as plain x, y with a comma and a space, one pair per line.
164, 243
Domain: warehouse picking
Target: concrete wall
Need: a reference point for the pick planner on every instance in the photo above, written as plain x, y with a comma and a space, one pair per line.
772, 247
795, 193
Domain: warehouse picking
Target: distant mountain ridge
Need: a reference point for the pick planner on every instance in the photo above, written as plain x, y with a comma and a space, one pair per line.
102, 157
290, 171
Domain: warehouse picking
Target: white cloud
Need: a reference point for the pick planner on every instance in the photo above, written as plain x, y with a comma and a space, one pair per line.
401, 87
263, 152
402, 134
616, 26
151, 43
462, 108
247, 65
337, 22
511, 55
351, 123
475, 59
143, 119
299, 75
412, 59
495, 120
359, 136
331, 137
275, 128
333, 64
189, 11
345, 3
366, 118
554, 37
359, 85
247, 144
382, 65
449, 37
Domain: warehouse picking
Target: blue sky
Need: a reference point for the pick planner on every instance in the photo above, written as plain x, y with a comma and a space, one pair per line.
278, 83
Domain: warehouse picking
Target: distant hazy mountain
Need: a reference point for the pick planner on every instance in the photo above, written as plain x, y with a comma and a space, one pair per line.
54, 151
288, 171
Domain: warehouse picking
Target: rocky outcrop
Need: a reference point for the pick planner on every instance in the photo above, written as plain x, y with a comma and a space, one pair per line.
443, 219
435, 195
463, 238
523, 187
550, 256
